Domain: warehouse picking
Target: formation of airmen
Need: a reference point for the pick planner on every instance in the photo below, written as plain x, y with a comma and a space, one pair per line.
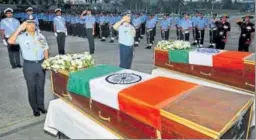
101, 23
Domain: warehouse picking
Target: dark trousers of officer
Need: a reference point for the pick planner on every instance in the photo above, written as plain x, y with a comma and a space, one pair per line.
105, 30
69, 28
150, 37
143, 28
90, 38
154, 33
194, 31
126, 56
213, 34
165, 35
97, 30
112, 33
243, 46
137, 36
35, 79
80, 30
220, 44
200, 37
61, 38
178, 32
14, 54
184, 36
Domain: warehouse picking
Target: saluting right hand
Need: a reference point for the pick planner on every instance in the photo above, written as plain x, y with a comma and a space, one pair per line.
23, 26
125, 18
84, 12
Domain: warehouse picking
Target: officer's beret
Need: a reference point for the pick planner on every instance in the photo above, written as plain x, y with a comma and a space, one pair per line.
29, 9
250, 16
8, 10
56, 10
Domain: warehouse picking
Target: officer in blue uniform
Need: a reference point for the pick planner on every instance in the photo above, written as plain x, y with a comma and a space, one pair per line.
60, 30
201, 25
178, 26
34, 50
213, 30
150, 25
185, 27
89, 21
165, 27
194, 23
126, 40
73, 25
112, 21
143, 24
8, 26
136, 22
103, 26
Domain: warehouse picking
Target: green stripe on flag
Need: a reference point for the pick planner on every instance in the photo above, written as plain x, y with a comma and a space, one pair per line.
179, 56
78, 82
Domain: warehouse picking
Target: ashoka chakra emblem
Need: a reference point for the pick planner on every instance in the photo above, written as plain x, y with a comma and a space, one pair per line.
123, 78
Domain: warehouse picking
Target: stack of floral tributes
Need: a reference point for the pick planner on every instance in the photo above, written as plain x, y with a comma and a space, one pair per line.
236, 69
139, 105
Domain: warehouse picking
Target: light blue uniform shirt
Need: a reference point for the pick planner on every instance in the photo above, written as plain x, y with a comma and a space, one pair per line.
32, 48
112, 20
211, 23
150, 24
102, 20
136, 22
186, 24
201, 23
59, 23
165, 24
178, 22
195, 20
89, 21
9, 25
126, 34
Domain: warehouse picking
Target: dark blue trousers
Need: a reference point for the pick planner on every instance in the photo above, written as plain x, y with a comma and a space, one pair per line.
126, 55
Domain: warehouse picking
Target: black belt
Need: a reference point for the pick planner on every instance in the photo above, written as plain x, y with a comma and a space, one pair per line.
34, 62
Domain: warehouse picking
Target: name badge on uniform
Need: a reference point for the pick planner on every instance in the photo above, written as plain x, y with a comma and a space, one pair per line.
42, 42
248, 27
221, 33
225, 27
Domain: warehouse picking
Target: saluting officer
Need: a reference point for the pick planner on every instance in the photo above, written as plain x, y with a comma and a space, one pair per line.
201, 24
8, 26
213, 31
126, 40
136, 22
34, 50
150, 25
185, 28
165, 27
89, 20
223, 29
60, 30
247, 33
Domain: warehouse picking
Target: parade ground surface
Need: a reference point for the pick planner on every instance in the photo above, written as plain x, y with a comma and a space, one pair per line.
17, 120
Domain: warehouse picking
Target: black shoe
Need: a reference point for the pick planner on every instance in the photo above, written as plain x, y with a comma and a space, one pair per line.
19, 66
43, 111
194, 43
148, 47
14, 67
136, 45
36, 113
111, 41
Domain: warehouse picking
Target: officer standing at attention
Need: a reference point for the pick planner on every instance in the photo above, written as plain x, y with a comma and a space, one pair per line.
60, 30
90, 28
185, 27
34, 50
8, 26
112, 21
136, 22
164, 27
194, 23
247, 33
201, 25
126, 40
178, 26
213, 31
150, 25
223, 29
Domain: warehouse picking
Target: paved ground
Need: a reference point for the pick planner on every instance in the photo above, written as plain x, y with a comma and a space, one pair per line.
16, 117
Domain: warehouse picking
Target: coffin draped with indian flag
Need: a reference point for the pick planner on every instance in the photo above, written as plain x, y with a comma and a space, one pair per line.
137, 105
232, 68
